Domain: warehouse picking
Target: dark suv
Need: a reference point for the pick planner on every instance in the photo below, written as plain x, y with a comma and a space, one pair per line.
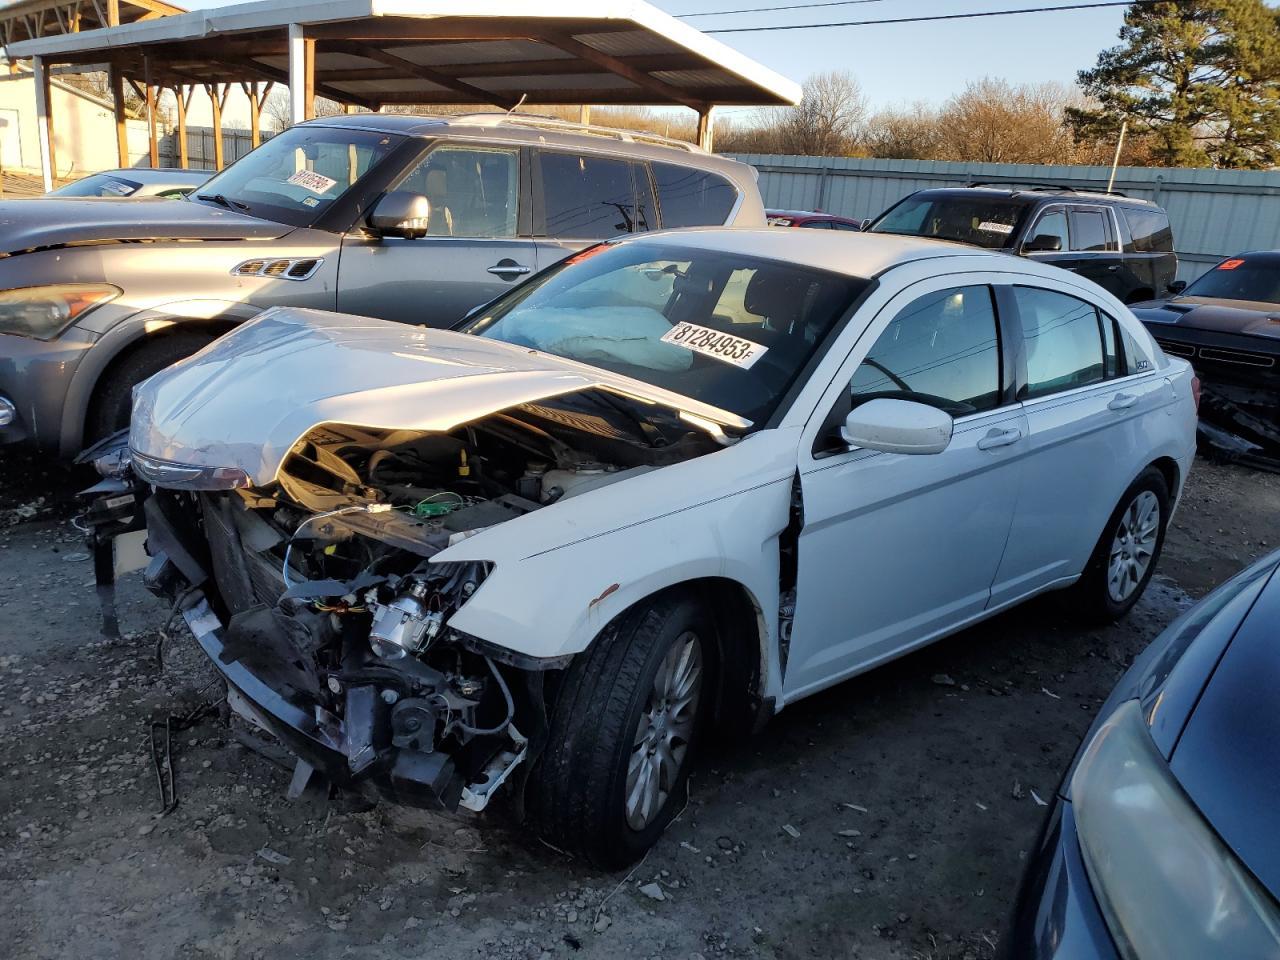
1122, 244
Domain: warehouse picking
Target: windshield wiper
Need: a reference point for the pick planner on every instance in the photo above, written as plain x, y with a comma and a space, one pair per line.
648, 432
222, 201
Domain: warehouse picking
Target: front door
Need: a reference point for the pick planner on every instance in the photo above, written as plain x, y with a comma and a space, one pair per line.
473, 251
895, 549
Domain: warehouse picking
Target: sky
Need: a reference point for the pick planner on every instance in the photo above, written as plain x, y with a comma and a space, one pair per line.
896, 64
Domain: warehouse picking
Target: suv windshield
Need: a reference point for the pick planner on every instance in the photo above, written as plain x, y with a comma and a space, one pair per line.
1256, 279
730, 330
968, 218
295, 176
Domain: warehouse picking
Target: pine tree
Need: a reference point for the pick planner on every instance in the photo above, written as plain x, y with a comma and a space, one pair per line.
1199, 78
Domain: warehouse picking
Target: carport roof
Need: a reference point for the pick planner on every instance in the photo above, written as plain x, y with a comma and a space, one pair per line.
374, 52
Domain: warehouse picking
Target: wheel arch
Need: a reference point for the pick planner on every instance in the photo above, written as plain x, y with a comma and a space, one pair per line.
120, 342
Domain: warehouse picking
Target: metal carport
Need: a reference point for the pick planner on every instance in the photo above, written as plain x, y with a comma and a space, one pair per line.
371, 53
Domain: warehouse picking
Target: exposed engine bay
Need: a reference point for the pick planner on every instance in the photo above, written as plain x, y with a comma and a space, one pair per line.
329, 618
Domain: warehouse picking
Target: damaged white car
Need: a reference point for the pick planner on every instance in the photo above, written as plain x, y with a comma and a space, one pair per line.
675, 483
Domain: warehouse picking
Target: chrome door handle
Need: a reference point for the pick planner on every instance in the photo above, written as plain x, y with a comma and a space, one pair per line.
509, 270
999, 438
1122, 401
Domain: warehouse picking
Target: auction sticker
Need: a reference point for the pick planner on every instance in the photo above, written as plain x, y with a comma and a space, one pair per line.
990, 226
722, 346
310, 180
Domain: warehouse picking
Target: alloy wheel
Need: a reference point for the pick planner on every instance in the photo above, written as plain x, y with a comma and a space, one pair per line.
1134, 546
662, 735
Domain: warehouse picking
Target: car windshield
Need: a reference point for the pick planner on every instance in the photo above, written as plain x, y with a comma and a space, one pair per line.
979, 220
727, 329
295, 176
99, 185
1256, 279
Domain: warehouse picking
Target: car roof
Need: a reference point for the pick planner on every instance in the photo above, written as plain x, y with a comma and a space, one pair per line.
849, 253
1031, 195
539, 131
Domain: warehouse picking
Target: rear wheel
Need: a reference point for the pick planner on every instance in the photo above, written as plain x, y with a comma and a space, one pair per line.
623, 733
1125, 557
113, 397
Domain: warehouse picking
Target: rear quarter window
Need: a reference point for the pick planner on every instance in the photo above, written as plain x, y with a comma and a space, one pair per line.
1150, 229
689, 197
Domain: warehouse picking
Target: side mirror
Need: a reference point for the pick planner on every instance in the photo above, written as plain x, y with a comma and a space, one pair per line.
401, 213
897, 426
1177, 286
1043, 243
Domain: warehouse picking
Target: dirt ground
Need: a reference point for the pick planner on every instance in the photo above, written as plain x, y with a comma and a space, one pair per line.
887, 818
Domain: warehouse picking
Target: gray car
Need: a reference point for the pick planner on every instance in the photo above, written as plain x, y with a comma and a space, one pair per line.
416, 219
135, 183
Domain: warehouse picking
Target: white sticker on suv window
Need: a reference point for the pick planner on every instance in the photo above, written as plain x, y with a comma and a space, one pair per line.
992, 227
722, 346
310, 180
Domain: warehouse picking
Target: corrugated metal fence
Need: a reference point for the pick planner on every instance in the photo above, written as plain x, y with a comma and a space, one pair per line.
1214, 213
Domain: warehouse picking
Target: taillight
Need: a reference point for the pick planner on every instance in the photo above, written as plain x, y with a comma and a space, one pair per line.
1195, 390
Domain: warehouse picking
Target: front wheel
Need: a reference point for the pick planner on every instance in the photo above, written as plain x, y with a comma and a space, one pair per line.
1125, 557
113, 397
623, 733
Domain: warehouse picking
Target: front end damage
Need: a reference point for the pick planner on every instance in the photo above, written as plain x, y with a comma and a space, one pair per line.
319, 598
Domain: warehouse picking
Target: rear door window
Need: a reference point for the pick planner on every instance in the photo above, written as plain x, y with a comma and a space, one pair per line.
586, 197
690, 197
1089, 232
1063, 338
1150, 229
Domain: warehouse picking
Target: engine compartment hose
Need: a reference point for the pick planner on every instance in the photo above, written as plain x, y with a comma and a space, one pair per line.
506, 695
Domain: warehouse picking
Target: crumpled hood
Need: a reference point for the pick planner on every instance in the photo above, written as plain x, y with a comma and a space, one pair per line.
246, 399
1218, 316
41, 222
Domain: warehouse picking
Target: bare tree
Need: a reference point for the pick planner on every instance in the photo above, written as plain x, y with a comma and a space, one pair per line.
993, 121
909, 133
825, 122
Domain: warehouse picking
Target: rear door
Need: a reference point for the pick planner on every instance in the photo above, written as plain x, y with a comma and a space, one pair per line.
1084, 409
477, 243
1095, 248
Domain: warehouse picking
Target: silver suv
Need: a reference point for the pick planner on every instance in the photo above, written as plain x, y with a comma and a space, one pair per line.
417, 219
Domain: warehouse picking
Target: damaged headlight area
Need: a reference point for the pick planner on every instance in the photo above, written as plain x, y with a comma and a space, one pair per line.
321, 599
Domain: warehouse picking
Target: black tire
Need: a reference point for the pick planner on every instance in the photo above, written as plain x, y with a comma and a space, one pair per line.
113, 396
1140, 296
1092, 595
578, 791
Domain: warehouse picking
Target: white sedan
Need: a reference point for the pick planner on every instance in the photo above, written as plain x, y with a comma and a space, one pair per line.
679, 480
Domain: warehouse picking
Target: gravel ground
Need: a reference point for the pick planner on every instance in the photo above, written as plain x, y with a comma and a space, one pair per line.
886, 818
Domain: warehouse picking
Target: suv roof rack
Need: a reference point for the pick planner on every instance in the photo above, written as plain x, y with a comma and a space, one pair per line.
1052, 188
539, 122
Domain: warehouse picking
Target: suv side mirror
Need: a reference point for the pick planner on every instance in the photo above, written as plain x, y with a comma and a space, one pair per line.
1043, 243
897, 426
1177, 286
401, 213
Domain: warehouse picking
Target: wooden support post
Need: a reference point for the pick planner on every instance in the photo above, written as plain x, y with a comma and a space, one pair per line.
183, 94
122, 126
309, 90
250, 89
217, 100
113, 13
153, 139
584, 114
704, 129
44, 122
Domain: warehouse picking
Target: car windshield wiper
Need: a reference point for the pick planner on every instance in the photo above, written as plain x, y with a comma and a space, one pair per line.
648, 432
222, 201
